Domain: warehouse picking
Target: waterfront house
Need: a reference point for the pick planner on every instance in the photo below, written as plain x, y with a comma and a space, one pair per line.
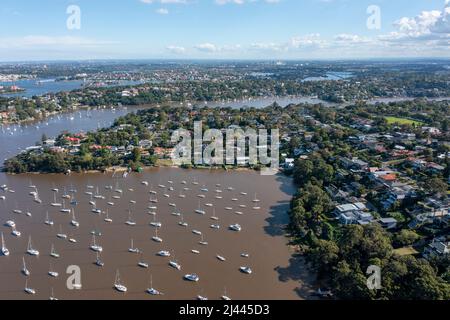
436, 249
388, 223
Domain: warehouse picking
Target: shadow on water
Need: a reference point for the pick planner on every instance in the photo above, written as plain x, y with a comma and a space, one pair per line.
279, 213
297, 269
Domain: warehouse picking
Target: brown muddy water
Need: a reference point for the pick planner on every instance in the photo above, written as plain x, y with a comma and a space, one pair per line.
276, 274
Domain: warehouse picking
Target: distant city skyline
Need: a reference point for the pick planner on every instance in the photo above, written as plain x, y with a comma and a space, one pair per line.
224, 29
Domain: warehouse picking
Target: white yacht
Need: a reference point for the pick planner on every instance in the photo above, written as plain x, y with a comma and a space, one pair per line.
221, 258
61, 235
130, 221
118, 284
30, 250
195, 251
94, 246
203, 242
132, 248
53, 252
74, 221
25, 270
16, 233
199, 233
53, 273
108, 219
156, 238
64, 209
28, 289
164, 253
246, 270
175, 265
54, 203
183, 223
47, 221
152, 291
98, 262
200, 210
5, 250
192, 277
236, 227
225, 296
10, 224
155, 224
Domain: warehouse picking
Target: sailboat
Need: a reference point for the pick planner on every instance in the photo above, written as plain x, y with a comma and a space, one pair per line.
133, 249
54, 203
256, 200
199, 210
225, 296
92, 202
176, 212
152, 291
192, 277
182, 223
155, 224
108, 219
64, 209
30, 250
163, 253
142, 263
174, 264
16, 233
48, 221
31, 185
74, 221
214, 217
110, 202
52, 273
65, 195
53, 252
52, 296
117, 189
28, 289
118, 284
203, 242
130, 221
98, 195
5, 250
94, 246
25, 270
61, 235
98, 262
156, 238
246, 270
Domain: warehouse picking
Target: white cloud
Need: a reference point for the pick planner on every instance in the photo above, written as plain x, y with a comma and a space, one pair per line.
162, 11
207, 47
176, 49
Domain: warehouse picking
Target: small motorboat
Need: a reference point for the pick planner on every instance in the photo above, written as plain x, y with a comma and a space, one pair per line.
246, 270
192, 277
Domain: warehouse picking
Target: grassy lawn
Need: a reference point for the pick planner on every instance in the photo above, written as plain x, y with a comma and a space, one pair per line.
406, 251
400, 121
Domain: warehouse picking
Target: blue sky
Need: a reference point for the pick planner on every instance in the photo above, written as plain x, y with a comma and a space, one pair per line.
217, 29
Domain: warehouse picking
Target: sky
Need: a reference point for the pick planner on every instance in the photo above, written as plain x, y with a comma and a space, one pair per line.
223, 29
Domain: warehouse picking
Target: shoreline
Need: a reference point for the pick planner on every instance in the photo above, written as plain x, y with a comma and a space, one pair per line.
373, 101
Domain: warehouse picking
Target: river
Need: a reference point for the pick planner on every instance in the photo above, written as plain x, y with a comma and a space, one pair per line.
276, 274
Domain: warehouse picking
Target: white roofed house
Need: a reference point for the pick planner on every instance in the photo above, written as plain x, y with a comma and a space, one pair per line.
436, 249
353, 213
